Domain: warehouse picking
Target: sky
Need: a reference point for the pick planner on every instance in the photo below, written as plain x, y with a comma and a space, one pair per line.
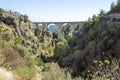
57, 10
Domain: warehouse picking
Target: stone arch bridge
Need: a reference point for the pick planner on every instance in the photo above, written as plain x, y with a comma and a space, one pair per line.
59, 25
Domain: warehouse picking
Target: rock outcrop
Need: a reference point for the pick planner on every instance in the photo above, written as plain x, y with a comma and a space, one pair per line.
22, 27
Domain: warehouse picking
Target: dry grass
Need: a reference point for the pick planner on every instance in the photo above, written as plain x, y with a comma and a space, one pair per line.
12, 58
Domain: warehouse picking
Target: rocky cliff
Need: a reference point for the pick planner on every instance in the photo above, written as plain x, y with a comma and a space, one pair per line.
21, 43
21, 27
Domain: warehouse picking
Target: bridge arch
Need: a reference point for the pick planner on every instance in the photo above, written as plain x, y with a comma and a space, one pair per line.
52, 27
68, 25
40, 26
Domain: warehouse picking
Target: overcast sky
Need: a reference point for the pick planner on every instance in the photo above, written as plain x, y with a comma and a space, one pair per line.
57, 10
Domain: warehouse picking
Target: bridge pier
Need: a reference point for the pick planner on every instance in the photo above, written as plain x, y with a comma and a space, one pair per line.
72, 27
59, 30
45, 25
36, 25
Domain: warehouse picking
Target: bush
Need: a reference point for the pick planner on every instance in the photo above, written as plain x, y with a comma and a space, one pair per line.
31, 37
4, 43
25, 73
7, 36
105, 70
29, 61
61, 50
21, 49
11, 58
51, 50
53, 72
38, 62
18, 39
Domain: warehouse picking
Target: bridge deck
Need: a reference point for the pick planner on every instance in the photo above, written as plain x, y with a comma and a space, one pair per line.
76, 22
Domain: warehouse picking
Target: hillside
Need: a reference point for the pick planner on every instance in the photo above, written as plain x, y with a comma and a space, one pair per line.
94, 50
20, 44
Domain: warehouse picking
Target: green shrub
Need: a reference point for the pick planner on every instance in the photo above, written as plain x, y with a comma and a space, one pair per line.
38, 62
1, 14
4, 43
61, 50
78, 78
1, 28
51, 50
21, 49
18, 39
31, 37
53, 72
7, 36
106, 69
25, 73
29, 61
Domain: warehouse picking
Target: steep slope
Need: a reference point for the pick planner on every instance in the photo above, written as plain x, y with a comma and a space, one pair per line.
21, 45
95, 53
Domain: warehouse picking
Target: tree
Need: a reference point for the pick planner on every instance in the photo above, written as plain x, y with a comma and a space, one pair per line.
113, 5
118, 2
77, 27
66, 29
118, 5
55, 35
94, 18
102, 13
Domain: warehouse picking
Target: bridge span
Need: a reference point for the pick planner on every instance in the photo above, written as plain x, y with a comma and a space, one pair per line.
58, 24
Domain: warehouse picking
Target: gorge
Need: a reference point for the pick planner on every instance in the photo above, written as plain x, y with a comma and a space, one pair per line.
83, 50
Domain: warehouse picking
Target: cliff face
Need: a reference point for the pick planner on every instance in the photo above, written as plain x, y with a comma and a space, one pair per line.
21, 27
21, 43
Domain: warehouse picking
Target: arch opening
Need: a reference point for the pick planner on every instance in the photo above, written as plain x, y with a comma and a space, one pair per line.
40, 26
52, 28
